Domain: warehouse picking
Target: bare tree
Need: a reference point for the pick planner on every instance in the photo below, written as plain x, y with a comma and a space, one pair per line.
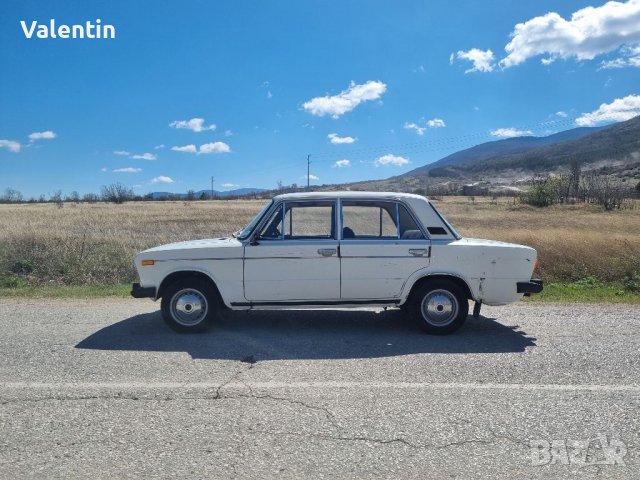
574, 178
11, 195
90, 198
74, 197
56, 198
116, 193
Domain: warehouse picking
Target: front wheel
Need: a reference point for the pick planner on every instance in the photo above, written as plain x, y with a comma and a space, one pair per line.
189, 305
439, 307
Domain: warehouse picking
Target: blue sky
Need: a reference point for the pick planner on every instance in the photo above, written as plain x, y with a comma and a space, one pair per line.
405, 82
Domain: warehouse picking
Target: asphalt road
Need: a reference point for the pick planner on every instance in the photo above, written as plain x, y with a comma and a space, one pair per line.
103, 389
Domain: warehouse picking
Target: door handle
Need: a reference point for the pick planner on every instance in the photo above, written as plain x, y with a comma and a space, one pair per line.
327, 252
417, 252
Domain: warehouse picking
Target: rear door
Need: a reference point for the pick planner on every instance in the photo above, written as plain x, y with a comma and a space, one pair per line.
381, 245
295, 256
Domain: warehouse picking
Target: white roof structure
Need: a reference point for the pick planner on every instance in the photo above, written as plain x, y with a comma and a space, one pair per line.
348, 194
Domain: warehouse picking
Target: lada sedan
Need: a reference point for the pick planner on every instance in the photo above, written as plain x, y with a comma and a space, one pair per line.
338, 249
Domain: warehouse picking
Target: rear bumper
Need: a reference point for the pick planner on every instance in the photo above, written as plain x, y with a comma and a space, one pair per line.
532, 286
142, 292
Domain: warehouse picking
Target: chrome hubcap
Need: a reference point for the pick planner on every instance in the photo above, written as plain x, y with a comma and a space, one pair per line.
439, 308
189, 307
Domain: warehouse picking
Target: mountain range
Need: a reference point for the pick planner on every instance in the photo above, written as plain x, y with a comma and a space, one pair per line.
613, 148
239, 192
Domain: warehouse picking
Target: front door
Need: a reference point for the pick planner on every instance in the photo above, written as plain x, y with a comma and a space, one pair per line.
295, 255
381, 246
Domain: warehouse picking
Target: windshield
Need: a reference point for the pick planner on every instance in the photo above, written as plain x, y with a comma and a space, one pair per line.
246, 231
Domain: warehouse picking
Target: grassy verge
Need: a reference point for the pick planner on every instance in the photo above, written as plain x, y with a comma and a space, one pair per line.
60, 291
583, 291
586, 291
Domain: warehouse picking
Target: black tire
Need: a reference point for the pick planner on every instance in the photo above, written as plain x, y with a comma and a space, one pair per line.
439, 307
190, 305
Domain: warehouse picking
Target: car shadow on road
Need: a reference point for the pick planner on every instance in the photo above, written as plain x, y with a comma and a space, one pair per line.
307, 334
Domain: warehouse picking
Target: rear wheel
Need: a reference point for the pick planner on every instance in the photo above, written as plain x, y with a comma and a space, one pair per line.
189, 305
439, 307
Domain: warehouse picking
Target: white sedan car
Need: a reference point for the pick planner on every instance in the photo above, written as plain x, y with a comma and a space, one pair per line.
338, 249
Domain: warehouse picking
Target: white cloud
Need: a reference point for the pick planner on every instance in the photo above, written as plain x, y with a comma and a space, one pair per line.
562, 114
391, 159
619, 110
42, 135
630, 58
452, 57
591, 31
162, 179
336, 140
230, 185
185, 148
215, 147
103, 169
509, 132
159, 147
122, 153
414, 126
483, 60
195, 124
228, 133
127, 170
436, 123
311, 177
145, 156
342, 163
269, 94
346, 100
10, 145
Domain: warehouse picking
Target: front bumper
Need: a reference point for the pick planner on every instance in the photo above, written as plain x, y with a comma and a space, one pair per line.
532, 286
142, 292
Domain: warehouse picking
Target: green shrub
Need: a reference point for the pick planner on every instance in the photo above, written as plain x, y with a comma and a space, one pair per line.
631, 282
12, 282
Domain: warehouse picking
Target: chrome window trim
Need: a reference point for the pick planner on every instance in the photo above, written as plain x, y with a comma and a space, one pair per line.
398, 202
265, 214
452, 230
283, 203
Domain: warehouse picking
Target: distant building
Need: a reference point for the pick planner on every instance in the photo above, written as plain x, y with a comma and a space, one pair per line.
476, 188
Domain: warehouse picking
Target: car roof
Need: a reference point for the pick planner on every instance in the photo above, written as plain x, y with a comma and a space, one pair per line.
348, 194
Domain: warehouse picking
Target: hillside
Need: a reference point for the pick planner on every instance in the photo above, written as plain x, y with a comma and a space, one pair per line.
614, 149
509, 146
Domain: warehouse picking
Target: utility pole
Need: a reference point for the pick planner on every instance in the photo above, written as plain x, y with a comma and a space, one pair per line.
212, 180
308, 170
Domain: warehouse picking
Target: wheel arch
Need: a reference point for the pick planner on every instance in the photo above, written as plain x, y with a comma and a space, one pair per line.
434, 277
182, 274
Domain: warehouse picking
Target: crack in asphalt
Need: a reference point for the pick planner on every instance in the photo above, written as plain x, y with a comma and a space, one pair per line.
390, 441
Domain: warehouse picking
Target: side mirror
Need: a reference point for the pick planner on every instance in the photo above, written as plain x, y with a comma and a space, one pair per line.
254, 241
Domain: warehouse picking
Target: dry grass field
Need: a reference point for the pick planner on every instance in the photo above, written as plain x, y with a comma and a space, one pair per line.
93, 244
